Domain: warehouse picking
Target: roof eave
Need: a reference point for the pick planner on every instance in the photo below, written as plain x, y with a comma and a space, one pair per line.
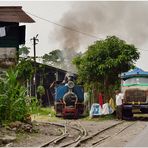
14, 14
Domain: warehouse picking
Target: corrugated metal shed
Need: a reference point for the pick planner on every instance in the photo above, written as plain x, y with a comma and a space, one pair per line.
14, 14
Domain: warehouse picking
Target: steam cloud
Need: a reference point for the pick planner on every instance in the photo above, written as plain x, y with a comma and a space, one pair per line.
127, 20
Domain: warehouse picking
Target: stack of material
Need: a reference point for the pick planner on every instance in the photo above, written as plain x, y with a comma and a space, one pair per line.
97, 110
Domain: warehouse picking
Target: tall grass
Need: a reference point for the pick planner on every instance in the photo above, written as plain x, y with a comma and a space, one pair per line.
13, 105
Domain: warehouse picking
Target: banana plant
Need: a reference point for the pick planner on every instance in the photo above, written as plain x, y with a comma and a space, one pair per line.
12, 98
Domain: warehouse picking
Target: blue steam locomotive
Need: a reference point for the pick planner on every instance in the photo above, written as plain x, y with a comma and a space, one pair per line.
69, 99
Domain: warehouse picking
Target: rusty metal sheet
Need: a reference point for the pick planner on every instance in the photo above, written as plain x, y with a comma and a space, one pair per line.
14, 14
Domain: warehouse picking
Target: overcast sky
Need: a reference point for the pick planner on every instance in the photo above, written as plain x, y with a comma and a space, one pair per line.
127, 20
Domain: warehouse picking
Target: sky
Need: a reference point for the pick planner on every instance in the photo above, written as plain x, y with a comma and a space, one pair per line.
73, 25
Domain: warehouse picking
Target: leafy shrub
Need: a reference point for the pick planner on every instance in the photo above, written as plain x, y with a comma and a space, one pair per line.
25, 69
12, 98
41, 92
33, 104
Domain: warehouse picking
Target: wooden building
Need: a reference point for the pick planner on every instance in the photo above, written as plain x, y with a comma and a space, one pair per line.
11, 34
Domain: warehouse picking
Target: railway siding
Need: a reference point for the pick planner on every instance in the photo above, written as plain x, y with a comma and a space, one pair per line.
75, 133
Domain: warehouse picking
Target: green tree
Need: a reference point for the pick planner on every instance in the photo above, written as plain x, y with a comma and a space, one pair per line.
25, 70
104, 61
53, 57
24, 51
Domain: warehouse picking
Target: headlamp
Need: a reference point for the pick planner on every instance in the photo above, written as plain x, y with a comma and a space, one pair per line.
71, 84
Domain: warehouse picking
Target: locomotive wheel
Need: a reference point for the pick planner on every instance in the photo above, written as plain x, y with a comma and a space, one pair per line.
58, 109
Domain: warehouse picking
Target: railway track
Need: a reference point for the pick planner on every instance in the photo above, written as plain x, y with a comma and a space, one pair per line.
67, 137
74, 134
106, 134
108, 137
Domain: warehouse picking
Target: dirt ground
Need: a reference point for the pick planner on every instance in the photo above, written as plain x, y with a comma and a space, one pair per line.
40, 134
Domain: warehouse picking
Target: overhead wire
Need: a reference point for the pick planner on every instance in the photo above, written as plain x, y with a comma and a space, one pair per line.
69, 28
65, 27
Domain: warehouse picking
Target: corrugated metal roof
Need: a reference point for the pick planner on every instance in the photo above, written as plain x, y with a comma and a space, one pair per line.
14, 14
135, 72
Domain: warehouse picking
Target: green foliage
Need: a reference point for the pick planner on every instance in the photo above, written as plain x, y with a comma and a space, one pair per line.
53, 57
41, 90
25, 69
34, 107
101, 64
33, 104
24, 50
45, 111
12, 98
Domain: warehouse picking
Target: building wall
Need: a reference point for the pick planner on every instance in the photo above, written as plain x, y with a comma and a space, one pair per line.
9, 44
45, 76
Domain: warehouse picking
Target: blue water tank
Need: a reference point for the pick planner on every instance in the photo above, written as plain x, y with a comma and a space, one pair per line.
79, 92
62, 89
60, 92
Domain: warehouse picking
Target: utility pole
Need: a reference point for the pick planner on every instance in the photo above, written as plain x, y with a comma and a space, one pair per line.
35, 40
